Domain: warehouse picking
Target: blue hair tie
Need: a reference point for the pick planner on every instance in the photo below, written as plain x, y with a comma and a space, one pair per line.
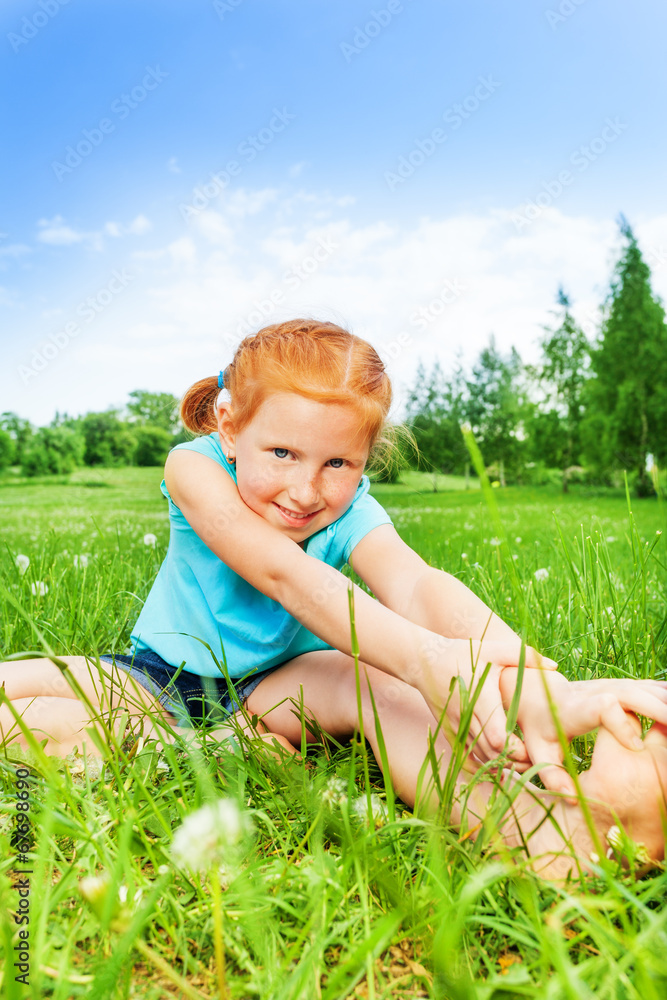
221, 380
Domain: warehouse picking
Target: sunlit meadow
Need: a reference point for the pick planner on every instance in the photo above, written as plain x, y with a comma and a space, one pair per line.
211, 869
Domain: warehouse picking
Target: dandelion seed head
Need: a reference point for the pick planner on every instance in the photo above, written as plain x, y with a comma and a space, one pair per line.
39, 588
81, 561
541, 574
495, 541
335, 792
207, 836
150, 539
377, 809
22, 563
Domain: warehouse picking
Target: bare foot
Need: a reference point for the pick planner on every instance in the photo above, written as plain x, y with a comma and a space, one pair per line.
625, 792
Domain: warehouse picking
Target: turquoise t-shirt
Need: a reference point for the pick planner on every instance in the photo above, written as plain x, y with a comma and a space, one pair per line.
196, 596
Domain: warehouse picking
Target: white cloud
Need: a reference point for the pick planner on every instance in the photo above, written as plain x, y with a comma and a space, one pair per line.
172, 165
56, 232
139, 226
429, 289
15, 250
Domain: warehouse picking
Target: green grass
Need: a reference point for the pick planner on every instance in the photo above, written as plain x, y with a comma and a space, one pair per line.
317, 900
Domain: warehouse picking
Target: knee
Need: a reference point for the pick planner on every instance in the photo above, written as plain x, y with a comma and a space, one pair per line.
389, 694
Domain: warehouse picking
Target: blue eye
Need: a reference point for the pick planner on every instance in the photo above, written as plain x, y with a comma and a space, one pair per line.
283, 450
341, 460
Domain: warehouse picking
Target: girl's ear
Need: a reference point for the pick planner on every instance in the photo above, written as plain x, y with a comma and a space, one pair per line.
226, 427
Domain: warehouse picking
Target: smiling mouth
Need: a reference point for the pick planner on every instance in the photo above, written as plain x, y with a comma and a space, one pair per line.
295, 516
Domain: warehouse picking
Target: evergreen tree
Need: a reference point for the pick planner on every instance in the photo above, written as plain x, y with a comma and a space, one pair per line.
435, 410
563, 372
494, 408
627, 416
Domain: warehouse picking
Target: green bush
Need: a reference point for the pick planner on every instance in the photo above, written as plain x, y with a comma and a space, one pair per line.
153, 444
52, 450
7, 449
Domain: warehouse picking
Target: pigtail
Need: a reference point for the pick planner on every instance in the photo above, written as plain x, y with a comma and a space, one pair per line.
198, 406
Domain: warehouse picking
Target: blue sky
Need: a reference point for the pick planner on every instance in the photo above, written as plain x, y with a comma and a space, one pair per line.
180, 172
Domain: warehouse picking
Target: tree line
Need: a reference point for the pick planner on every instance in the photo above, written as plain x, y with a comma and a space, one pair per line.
141, 434
586, 411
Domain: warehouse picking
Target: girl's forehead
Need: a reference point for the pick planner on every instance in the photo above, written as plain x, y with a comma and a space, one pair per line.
292, 406
307, 419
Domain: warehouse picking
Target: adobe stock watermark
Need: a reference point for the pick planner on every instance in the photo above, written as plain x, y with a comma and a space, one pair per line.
246, 150
32, 24
364, 34
657, 256
565, 9
425, 314
291, 280
88, 310
581, 159
222, 7
454, 117
121, 107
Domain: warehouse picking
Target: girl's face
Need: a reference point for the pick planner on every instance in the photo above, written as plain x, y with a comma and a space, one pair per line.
297, 463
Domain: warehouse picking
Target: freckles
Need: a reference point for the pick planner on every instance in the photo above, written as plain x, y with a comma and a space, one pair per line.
338, 493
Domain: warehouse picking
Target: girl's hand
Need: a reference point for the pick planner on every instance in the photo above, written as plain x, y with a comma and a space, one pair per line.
581, 706
468, 659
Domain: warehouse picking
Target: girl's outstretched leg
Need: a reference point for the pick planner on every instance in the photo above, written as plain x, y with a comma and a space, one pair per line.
51, 709
622, 785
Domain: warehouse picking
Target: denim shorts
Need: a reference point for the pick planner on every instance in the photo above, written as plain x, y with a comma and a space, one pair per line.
192, 699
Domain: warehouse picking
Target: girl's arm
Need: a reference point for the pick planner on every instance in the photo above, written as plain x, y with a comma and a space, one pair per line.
550, 702
421, 593
317, 595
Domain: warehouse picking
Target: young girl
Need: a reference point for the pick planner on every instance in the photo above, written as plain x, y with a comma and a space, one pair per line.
265, 507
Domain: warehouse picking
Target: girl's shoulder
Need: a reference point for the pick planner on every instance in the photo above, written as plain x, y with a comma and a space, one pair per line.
211, 446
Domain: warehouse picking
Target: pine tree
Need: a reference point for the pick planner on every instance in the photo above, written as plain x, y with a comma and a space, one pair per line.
627, 417
566, 353
494, 407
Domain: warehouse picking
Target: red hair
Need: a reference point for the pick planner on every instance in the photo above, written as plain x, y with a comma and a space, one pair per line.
320, 361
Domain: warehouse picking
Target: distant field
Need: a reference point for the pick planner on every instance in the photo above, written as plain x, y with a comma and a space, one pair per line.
324, 903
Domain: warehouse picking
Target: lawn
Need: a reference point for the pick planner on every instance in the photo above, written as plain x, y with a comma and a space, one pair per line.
327, 886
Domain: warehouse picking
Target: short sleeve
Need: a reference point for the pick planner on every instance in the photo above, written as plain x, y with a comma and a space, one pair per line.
362, 516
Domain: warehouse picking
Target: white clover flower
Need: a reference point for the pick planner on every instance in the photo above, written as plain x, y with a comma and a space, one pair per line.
150, 539
80, 562
208, 835
378, 810
22, 563
39, 588
335, 792
495, 541
541, 574
464, 555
